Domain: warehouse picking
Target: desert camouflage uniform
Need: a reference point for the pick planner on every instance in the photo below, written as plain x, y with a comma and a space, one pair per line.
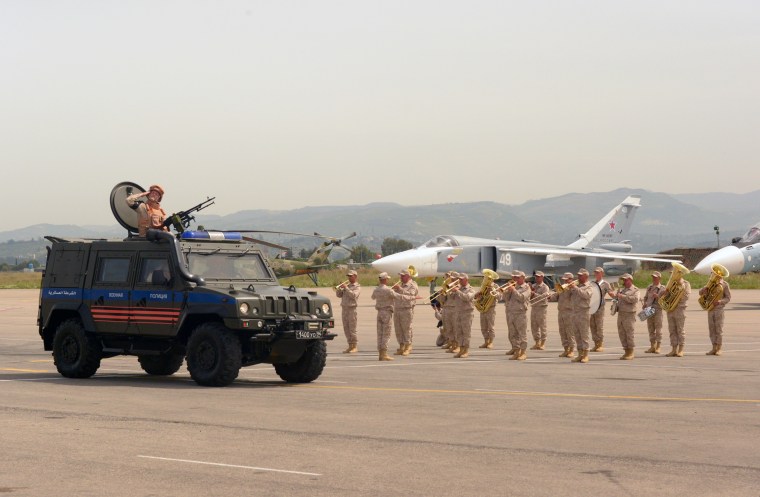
538, 312
348, 301
404, 312
384, 299
626, 315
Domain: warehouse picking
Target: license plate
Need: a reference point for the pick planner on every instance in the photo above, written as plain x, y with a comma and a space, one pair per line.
308, 335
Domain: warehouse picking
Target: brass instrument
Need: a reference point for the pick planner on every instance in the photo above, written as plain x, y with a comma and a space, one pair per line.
449, 285
714, 290
561, 288
485, 299
674, 289
338, 287
412, 273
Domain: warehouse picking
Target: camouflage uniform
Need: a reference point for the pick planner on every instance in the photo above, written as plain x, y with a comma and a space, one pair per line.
654, 322
564, 318
677, 322
538, 314
487, 322
404, 313
715, 318
516, 302
150, 214
349, 296
464, 309
580, 296
384, 299
626, 317
596, 322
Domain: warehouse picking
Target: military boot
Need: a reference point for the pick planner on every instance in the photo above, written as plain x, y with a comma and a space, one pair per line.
571, 352
537, 345
679, 351
580, 356
454, 348
673, 352
542, 345
351, 349
596, 345
520, 355
583, 354
399, 350
717, 349
463, 352
628, 355
446, 344
384, 355
564, 354
485, 344
599, 346
712, 351
407, 349
512, 351
489, 343
650, 350
656, 348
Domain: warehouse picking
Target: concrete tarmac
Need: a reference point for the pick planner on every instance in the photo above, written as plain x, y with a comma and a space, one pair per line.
423, 425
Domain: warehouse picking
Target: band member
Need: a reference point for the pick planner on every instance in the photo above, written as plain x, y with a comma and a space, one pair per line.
348, 293
465, 307
715, 315
677, 320
151, 214
516, 298
564, 316
487, 322
627, 298
539, 293
596, 323
403, 313
580, 296
450, 318
384, 299
654, 322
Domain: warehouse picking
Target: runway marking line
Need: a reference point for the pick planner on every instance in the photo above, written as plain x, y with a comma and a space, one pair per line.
16, 370
532, 394
205, 463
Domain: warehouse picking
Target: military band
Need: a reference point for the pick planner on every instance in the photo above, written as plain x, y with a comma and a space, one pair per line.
403, 312
348, 292
654, 320
464, 309
539, 304
596, 322
627, 297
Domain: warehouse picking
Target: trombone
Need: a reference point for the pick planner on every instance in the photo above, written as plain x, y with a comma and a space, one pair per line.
449, 285
561, 288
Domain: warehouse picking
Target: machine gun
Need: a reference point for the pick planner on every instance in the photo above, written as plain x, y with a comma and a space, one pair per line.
181, 220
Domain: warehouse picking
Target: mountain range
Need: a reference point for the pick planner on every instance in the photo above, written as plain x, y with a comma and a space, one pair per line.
663, 222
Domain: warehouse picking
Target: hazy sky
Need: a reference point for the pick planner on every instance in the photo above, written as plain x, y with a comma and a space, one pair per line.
285, 104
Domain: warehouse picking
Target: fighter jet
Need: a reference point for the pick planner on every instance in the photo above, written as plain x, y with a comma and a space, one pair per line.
742, 256
605, 245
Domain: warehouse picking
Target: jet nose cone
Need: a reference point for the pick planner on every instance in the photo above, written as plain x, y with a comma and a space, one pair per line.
730, 257
390, 263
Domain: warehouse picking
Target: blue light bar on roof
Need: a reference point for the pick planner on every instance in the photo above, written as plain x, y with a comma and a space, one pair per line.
211, 235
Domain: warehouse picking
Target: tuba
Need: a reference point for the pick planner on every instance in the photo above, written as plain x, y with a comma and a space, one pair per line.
674, 289
714, 290
486, 297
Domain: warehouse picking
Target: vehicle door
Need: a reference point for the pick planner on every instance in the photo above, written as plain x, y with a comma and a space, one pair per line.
153, 307
110, 292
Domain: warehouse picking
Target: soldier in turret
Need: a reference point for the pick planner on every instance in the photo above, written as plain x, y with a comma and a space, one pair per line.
151, 215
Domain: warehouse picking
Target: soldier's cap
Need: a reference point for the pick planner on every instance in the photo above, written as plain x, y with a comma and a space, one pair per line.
599, 270
583, 270
453, 274
656, 274
517, 274
159, 189
403, 272
382, 276
539, 273
351, 272
627, 276
464, 276
567, 276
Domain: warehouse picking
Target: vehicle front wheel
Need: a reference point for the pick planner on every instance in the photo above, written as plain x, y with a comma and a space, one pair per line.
161, 365
76, 353
307, 368
214, 355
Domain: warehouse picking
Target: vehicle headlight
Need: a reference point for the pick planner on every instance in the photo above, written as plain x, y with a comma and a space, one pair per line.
244, 308
325, 308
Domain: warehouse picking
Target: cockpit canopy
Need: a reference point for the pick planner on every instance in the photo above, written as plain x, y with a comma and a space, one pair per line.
750, 237
441, 241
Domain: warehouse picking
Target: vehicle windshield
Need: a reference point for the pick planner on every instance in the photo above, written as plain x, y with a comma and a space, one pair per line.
228, 266
442, 241
752, 236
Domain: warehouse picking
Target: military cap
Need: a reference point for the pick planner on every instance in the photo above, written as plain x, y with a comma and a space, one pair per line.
464, 276
567, 276
403, 272
454, 274
539, 273
656, 274
627, 276
599, 270
583, 270
351, 272
383, 276
517, 274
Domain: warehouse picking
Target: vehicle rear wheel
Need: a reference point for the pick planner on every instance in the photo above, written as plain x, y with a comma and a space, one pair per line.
214, 355
307, 368
161, 365
76, 353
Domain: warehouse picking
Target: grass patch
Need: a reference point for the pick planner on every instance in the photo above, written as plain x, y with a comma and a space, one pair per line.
12, 279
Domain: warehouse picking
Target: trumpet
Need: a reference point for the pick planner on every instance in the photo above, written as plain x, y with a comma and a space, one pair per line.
557, 290
449, 285
345, 283
563, 287
412, 273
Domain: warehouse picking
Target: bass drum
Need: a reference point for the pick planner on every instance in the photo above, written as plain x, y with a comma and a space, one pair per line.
597, 298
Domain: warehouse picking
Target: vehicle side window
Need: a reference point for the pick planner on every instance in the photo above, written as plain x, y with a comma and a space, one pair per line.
154, 271
113, 270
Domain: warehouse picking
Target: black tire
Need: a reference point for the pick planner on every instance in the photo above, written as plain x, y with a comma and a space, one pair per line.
307, 368
76, 353
214, 355
161, 365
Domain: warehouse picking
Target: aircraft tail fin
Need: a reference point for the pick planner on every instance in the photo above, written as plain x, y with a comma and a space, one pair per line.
614, 227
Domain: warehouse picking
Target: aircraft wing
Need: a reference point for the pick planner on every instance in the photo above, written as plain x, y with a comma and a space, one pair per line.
588, 253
